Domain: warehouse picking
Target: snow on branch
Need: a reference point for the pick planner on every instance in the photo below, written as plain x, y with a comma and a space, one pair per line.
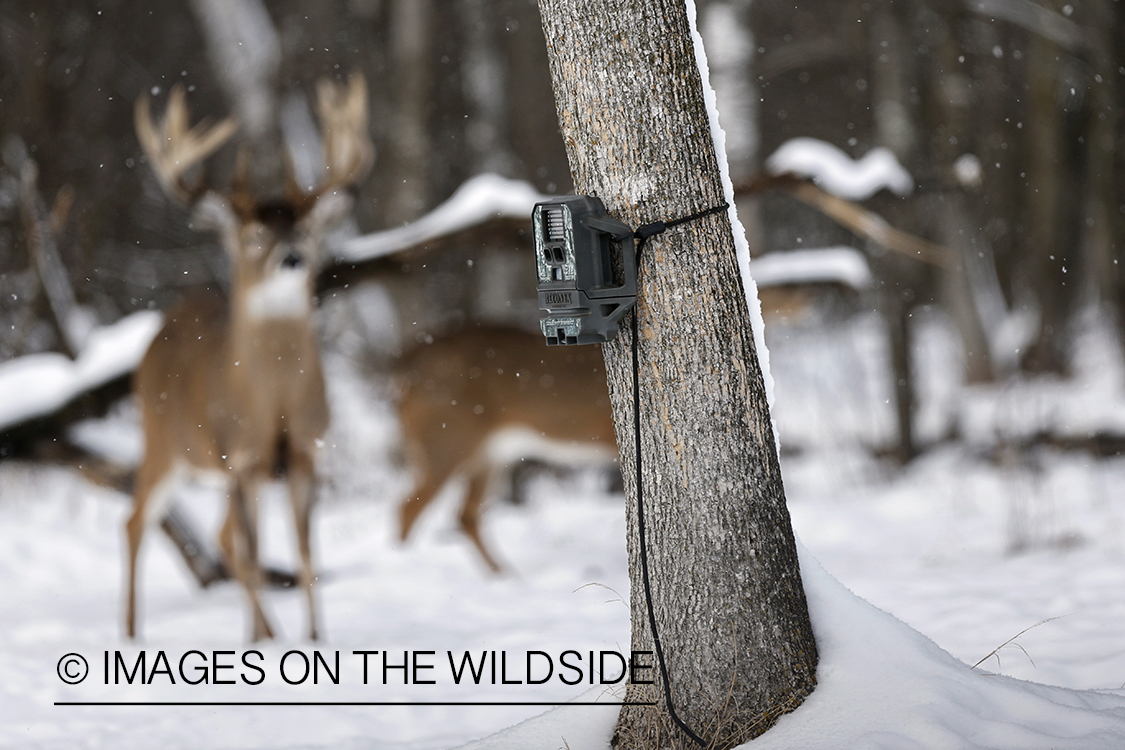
845, 266
39, 385
837, 173
477, 201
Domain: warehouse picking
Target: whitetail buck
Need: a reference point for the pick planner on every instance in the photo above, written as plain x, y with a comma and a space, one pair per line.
465, 395
233, 383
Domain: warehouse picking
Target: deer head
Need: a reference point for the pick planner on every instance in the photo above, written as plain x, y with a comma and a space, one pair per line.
253, 230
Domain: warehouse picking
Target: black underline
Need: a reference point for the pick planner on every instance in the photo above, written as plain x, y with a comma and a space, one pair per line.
350, 703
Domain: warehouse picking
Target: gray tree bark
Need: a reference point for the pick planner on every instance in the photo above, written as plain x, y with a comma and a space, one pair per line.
407, 161
1054, 201
729, 606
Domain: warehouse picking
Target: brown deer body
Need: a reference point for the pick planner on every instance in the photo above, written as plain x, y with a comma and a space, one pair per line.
463, 394
233, 383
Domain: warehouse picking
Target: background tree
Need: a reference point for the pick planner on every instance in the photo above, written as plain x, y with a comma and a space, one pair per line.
726, 588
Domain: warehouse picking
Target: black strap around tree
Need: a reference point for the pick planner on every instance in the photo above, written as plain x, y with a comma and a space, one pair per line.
642, 234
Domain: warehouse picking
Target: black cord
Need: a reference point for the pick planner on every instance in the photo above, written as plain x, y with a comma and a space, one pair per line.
656, 227
642, 234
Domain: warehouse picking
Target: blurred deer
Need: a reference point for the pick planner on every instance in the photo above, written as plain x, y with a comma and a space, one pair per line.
465, 396
233, 384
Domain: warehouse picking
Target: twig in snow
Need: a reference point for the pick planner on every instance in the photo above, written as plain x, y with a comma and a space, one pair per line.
995, 651
603, 586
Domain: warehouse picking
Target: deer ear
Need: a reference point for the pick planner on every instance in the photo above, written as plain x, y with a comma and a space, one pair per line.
214, 213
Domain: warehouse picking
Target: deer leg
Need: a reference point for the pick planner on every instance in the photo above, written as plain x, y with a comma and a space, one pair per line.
150, 500
226, 538
242, 516
470, 513
270, 576
302, 497
134, 532
424, 491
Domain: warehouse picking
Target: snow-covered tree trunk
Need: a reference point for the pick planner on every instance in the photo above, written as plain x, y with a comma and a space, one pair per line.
729, 606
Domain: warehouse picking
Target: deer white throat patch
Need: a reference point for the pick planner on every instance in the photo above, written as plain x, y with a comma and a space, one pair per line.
284, 294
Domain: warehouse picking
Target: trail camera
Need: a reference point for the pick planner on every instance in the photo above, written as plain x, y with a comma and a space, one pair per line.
587, 270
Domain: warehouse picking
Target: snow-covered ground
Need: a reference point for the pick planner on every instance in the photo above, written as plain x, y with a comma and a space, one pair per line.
964, 550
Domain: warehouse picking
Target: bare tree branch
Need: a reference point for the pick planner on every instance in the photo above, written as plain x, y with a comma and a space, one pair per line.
1036, 19
41, 229
853, 217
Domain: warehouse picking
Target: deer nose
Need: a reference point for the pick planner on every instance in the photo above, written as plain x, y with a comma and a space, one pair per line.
292, 260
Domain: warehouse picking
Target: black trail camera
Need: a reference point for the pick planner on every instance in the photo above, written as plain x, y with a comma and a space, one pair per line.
587, 269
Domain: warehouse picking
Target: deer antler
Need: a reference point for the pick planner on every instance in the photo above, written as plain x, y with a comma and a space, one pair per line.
348, 151
173, 148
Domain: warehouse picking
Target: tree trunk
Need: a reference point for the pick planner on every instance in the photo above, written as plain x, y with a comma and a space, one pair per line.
954, 219
1050, 198
1117, 196
726, 588
407, 162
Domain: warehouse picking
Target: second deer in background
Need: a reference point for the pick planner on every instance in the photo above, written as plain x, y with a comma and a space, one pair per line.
233, 383
471, 400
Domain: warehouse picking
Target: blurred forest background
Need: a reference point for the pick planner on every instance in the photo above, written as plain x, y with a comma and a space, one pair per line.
1007, 113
